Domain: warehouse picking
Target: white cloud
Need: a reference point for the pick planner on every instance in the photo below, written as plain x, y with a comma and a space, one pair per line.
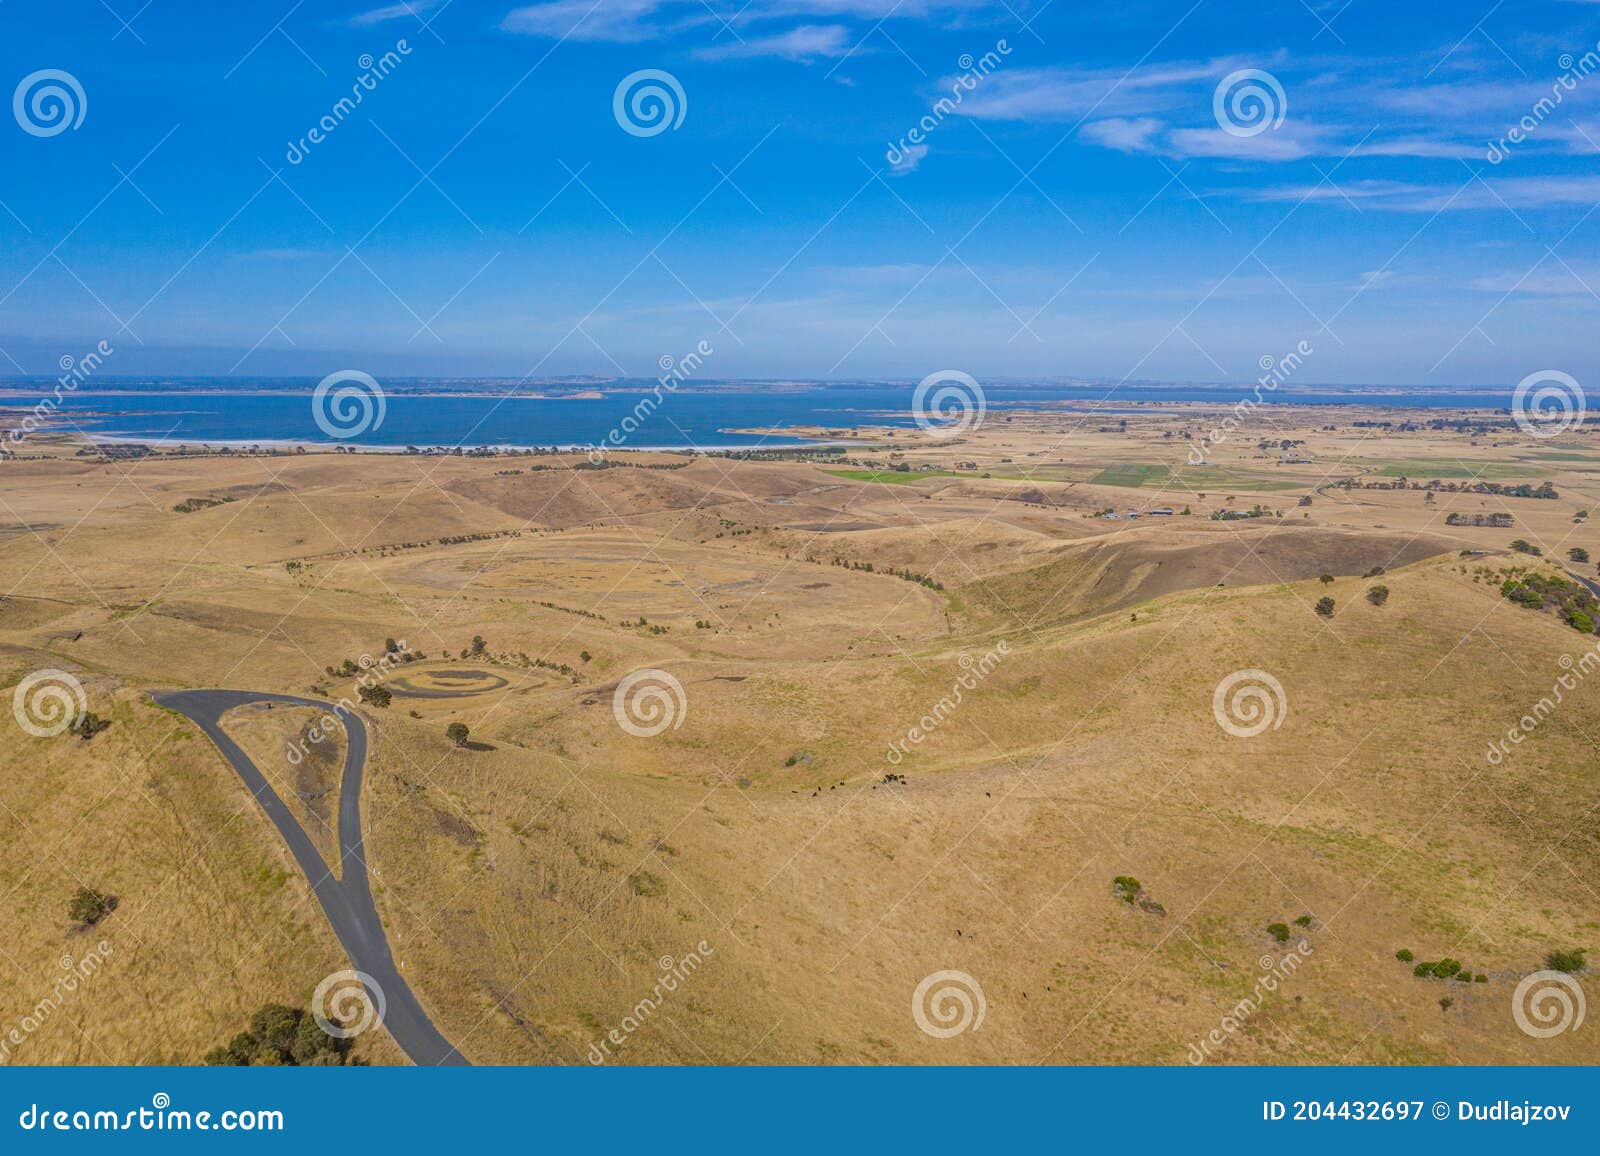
1525, 193
805, 43
910, 157
412, 8
623, 20
1125, 135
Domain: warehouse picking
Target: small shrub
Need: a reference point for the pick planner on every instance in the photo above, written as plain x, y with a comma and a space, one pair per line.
647, 885
1279, 931
1325, 606
1568, 961
375, 696
1303, 920
89, 906
1404, 955
1127, 888
89, 724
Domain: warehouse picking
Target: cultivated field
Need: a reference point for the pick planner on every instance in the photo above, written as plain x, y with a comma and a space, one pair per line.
810, 825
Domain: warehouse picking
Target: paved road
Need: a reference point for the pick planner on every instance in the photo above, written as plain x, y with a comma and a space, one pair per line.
346, 901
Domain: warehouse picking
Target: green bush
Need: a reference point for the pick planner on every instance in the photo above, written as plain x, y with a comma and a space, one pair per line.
1404, 955
281, 1036
1325, 606
1568, 961
89, 906
375, 695
1378, 595
1127, 888
457, 733
1279, 931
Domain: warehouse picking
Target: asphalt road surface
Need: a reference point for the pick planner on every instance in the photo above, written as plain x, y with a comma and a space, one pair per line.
346, 901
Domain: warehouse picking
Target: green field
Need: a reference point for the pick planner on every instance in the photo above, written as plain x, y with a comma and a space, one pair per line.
1135, 475
1130, 474
891, 477
1454, 468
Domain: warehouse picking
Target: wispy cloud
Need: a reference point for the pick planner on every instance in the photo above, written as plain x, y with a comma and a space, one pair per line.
1522, 193
805, 43
412, 8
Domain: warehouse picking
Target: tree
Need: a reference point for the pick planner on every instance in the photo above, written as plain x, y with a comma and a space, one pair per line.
1378, 595
1327, 578
1325, 606
375, 695
457, 733
1578, 554
390, 646
89, 724
89, 906
478, 645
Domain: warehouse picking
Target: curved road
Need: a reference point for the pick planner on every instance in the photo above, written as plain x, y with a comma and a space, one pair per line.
346, 901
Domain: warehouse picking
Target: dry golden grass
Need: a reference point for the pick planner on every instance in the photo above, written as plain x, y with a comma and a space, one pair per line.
532, 885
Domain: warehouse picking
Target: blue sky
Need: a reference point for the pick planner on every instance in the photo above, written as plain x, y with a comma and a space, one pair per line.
1089, 208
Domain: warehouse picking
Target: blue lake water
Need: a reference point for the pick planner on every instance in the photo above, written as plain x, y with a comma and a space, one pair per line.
681, 420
